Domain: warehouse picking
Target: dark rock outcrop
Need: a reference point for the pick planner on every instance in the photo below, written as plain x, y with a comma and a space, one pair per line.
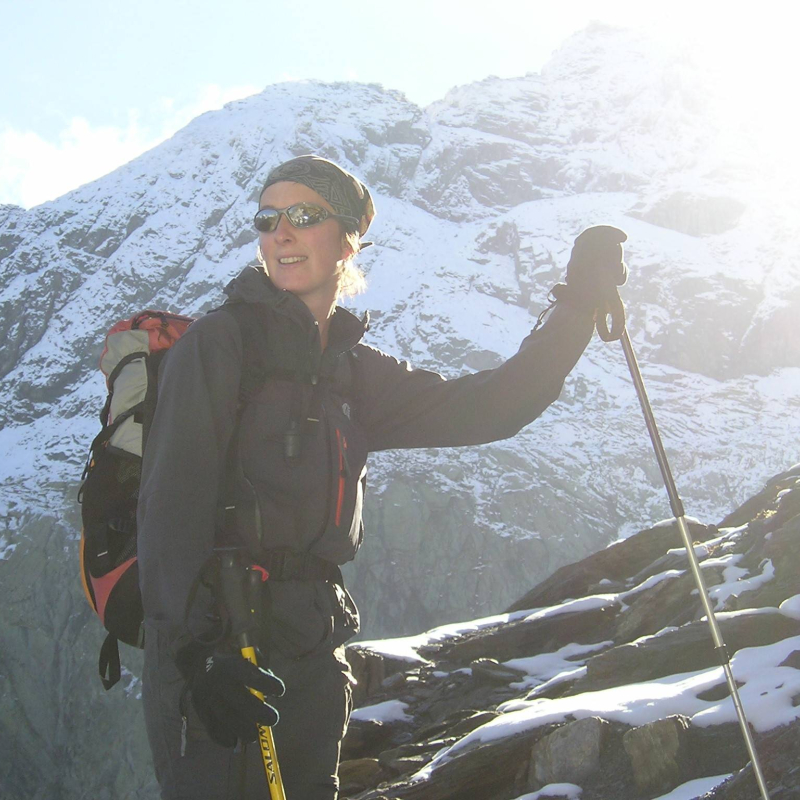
459, 693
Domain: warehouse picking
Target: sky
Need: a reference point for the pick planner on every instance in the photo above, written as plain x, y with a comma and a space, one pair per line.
90, 85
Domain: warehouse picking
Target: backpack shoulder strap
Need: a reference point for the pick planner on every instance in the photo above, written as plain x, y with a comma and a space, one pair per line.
255, 370
256, 355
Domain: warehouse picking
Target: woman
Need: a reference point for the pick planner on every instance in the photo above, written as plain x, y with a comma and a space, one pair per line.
301, 441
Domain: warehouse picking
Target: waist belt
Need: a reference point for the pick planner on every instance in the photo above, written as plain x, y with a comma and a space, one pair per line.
296, 565
280, 565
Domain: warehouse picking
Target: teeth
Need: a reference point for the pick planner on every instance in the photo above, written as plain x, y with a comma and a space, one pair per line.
292, 260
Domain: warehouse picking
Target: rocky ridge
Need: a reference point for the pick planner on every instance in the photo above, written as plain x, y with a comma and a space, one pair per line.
603, 677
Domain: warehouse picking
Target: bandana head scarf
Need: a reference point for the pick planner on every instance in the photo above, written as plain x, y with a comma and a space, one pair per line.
346, 194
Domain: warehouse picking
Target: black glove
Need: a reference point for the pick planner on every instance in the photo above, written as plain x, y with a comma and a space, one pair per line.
595, 270
220, 695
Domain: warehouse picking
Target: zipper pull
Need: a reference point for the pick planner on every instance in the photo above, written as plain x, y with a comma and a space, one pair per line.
184, 725
345, 462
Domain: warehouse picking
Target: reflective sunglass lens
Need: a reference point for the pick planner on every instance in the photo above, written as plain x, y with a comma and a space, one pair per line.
301, 215
266, 220
304, 215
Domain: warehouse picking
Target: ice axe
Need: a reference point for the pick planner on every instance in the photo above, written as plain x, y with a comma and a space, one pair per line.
677, 509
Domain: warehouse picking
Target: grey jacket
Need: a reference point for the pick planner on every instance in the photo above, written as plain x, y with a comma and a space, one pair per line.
312, 503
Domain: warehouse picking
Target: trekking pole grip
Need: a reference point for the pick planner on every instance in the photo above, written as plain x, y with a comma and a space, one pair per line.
232, 581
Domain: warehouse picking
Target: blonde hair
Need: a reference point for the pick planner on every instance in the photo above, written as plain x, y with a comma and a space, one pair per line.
351, 278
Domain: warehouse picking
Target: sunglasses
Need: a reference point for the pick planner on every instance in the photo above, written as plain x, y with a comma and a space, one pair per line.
300, 215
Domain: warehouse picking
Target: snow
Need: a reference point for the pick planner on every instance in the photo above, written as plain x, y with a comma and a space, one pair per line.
404, 648
591, 603
6, 549
767, 691
449, 286
546, 666
700, 550
407, 647
653, 580
568, 790
132, 684
460, 270
694, 789
735, 580
791, 607
670, 521
444, 290
388, 711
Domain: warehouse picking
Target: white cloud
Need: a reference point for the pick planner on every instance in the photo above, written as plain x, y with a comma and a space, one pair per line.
34, 169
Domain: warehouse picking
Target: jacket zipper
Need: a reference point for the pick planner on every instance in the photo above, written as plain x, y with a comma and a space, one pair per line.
323, 420
182, 700
341, 440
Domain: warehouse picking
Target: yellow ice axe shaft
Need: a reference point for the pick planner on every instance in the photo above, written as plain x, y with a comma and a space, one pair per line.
267, 743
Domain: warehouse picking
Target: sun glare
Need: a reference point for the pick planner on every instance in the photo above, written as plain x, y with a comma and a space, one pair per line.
752, 65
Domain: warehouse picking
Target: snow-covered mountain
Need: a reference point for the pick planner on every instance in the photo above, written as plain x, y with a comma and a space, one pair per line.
479, 198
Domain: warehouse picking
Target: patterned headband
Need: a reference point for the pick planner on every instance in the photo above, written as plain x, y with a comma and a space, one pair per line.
346, 193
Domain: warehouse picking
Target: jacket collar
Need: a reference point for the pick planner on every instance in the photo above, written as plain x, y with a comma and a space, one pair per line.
252, 285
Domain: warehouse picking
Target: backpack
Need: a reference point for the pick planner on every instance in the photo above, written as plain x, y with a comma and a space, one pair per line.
134, 349
109, 493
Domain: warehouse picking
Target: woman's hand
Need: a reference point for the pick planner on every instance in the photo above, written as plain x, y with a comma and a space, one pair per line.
220, 686
595, 269
596, 264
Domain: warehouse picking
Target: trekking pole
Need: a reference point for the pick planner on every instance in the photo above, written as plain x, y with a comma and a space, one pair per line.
239, 600
678, 512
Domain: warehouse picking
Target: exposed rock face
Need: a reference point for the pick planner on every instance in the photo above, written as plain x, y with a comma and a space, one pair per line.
566, 727
692, 214
59, 734
570, 754
656, 752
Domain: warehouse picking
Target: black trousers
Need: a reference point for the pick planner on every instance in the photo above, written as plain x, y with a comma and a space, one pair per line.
314, 713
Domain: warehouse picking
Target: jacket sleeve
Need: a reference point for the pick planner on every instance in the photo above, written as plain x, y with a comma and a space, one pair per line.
183, 462
407, 408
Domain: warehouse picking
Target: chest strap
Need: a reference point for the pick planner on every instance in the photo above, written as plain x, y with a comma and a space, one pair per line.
296, 565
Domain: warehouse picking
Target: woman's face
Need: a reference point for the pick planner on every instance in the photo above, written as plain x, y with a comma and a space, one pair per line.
304, 261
